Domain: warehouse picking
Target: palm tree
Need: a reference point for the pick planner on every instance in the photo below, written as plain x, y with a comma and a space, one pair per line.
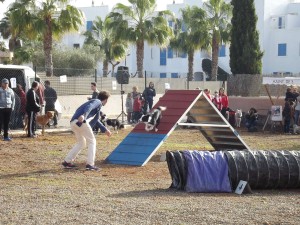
105, 38
219, 14
138, 23
46, 20
6, 33
191, 34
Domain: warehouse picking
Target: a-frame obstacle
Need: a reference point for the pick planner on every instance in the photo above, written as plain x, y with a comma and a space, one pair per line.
139, 146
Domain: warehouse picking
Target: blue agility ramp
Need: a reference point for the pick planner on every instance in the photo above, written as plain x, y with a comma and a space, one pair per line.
136, 148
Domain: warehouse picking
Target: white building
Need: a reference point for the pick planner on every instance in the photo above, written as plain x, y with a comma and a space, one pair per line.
278, 25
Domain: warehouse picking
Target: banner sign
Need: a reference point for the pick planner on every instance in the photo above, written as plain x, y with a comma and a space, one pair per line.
281, 80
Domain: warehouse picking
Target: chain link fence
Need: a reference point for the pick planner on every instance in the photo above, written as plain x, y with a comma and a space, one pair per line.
73, 86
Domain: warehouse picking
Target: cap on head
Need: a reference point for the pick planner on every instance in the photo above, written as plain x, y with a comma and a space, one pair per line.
5, 81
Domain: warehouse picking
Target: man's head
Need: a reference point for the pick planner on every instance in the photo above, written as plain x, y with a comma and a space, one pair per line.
4, 83
151, 84
103, 96
35, 85
93, 86
47, 83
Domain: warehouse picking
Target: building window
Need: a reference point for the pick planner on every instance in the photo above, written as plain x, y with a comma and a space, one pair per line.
281, 22
222, 51
281, 49
170, 53
174, 75
76, 45
163, 57
163, 75
89, 25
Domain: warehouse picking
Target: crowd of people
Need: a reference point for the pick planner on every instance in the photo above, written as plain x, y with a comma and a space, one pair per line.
138, 103
16, 105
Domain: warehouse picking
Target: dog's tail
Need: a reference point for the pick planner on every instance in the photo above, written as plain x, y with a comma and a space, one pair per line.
161, 108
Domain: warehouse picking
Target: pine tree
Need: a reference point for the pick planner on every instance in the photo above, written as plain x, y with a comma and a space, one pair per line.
245, 53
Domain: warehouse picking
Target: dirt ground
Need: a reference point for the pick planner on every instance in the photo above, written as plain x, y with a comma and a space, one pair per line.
35, 189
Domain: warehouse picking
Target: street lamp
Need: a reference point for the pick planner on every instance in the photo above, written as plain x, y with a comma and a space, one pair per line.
126, 57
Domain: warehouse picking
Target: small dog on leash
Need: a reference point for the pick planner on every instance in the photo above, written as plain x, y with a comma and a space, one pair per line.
42, 120
238, 117
152, 119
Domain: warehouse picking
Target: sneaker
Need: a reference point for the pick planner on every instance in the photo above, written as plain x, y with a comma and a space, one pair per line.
32, 136
89, 167
67, 165
7, 139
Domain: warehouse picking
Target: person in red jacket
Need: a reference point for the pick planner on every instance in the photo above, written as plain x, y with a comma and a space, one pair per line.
224, 101
137, 108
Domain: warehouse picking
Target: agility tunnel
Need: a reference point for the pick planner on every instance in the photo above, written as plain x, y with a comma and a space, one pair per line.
221, 171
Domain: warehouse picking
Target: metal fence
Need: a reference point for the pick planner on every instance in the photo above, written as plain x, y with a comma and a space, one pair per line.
73, 86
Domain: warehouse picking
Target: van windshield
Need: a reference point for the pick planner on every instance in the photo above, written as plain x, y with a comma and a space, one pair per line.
13, 73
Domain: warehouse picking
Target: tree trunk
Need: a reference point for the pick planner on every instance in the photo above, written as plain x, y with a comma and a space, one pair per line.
48, 48
215, 57
191, 65
140, 58
105, 68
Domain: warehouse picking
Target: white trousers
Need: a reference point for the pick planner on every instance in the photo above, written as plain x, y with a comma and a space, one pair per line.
84, 134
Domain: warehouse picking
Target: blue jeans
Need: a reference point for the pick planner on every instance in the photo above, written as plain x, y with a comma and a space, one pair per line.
287, 126
296, 115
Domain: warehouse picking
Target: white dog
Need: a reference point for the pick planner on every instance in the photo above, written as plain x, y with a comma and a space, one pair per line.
238, 117
296, 129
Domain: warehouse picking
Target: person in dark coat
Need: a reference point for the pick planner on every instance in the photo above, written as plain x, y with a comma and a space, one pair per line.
148, 94
32, 107
50, 98
22, 111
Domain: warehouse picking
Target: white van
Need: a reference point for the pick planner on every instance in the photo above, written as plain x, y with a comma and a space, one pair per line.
16, 74
23, 75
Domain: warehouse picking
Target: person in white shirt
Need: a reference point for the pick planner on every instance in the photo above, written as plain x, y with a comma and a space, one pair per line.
7, 104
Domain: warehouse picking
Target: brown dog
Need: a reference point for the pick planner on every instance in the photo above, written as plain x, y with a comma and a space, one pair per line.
41, 120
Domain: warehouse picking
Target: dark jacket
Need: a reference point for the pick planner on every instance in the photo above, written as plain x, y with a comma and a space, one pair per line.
149, 93
50, 98
32, 103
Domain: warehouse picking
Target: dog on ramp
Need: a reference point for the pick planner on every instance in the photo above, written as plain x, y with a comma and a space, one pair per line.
152, 119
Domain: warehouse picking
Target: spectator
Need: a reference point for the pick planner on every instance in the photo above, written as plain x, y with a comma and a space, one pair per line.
224, 101
137, 108
22, 95
297, 111
207, 93
95, 91
50, 98
86, 117
41, 96
7, 104
148, 94
32, 107
289, 95
15, 116
129, 106
135, 92
251, 120
217, 100
287, 114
